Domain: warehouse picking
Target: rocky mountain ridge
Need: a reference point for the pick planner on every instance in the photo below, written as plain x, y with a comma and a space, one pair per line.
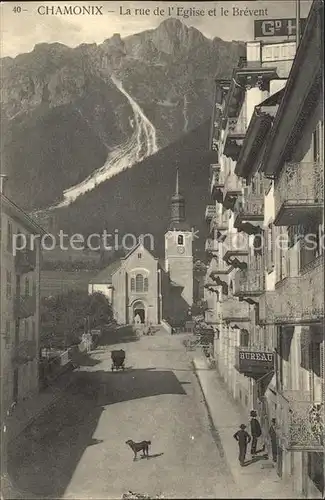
62, 113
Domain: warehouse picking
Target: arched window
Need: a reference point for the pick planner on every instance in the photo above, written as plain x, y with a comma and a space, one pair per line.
244, 338
180, 239
139, 283
132, 284
146, 284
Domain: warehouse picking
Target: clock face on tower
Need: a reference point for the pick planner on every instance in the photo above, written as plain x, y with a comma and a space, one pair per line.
180, 249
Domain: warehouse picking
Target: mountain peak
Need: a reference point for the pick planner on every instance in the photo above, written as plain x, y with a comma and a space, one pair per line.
172, 36
172, 22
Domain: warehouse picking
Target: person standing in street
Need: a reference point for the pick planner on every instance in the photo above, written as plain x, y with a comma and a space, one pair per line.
272, 433
243, 438
255, 431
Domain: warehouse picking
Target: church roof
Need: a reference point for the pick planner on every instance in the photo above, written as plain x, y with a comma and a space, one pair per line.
105, 276
179, 226
138, 245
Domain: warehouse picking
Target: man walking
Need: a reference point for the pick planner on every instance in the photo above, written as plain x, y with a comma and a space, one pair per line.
243, 438
255, 431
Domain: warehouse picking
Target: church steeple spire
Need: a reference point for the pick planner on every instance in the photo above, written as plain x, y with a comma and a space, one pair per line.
177, 186
177, 206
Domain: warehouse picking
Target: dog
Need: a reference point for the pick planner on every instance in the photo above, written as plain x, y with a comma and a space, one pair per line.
136, 447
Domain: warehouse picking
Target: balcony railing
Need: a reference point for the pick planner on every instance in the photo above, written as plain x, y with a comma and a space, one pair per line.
210, 212
233, 185
237, 127
25, 260
24, 352
235, 249
249, 210
25, 306
249, 283
217, 184
299, 193
254, 362
214, 168
296, 300
219, 222
232, 189
234, 310
211, 246
300, 421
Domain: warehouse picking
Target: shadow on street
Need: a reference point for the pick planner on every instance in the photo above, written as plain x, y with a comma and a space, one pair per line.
42, 461
256, 459
119, 335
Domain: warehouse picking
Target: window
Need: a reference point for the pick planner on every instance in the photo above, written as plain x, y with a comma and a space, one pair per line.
26, 287
132, 284
139, 255
146, 284
310, 243
317, 143
26, 327
8, 288
8, 333
9, 237
270, 248
180, 239
139, 283
17, 327
244, 338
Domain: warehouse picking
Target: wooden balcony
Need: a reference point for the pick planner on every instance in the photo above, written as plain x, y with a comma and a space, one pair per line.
232, 189
237, 128
211, 246
300, 421
25, 260
234, 310
249, 284
210, 212
254, 362
219, 222
220, 276
236, 250
211, 286
24, 352
217, 184
25, 306
299, 193
296, 300
249, 212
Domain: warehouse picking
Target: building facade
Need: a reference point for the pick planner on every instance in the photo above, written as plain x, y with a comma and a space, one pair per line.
20, 292
141, 288
267, 241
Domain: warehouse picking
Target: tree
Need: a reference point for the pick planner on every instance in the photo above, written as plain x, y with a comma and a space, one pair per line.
63, 317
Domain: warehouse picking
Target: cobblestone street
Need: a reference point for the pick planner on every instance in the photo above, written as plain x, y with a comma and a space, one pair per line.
78, 450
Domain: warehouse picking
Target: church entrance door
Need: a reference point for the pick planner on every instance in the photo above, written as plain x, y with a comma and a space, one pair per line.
139, 311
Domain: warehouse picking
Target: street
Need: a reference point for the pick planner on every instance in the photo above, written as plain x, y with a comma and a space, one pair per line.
77, 448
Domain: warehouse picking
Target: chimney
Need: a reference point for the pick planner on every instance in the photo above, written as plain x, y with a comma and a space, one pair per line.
3, 179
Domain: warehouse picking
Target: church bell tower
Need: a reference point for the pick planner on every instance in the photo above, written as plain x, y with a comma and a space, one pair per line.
178, 247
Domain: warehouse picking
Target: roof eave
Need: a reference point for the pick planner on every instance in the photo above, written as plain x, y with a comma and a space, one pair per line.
258, 127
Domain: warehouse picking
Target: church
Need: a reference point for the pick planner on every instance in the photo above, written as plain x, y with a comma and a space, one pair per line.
145, 289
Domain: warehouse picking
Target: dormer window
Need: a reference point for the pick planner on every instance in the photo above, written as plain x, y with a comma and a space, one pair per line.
180, 239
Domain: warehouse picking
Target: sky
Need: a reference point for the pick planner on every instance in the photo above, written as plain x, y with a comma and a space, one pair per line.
25, 24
